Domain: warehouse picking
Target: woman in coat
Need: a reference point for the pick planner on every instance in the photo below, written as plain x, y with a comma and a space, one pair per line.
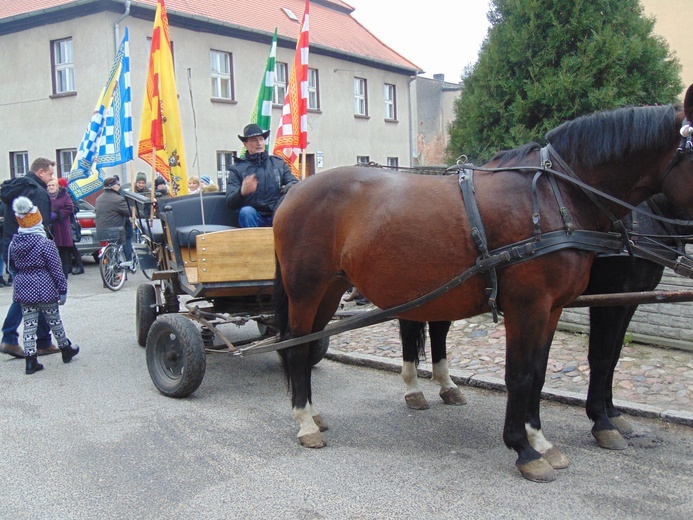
61, 211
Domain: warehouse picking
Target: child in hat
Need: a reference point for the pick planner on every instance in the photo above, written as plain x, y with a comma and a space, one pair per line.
39, 282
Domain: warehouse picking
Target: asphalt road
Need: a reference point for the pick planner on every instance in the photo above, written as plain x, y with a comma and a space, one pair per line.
95, 439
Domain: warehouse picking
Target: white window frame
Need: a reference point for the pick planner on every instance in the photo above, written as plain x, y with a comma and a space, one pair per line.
390, 94
362, 159
225, 159
221, 63
281, 80
63, 66
393, 162
65, 158
360, 97
313, 90
19, 164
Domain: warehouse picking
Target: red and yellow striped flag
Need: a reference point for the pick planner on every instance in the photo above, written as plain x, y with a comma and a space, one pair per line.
292, 134
160, 131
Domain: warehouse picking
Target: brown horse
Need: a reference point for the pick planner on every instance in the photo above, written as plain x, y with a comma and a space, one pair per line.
397, 237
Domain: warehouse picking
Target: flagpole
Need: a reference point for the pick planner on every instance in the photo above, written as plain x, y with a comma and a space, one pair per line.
152, 195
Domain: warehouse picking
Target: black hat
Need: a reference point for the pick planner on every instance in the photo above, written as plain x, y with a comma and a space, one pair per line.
159, 181
109, 182
253, 130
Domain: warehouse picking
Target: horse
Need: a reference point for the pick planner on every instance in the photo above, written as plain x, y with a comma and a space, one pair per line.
403, 239
608, 325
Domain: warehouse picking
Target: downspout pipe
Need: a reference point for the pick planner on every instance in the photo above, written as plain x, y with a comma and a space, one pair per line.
411, 121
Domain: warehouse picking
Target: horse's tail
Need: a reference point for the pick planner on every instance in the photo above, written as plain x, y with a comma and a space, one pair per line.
280, 304
413, 336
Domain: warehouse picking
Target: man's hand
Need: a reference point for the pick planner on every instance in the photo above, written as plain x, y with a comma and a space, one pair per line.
249, 185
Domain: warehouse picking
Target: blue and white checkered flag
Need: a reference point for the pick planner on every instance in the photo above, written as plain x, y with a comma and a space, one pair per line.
108, 139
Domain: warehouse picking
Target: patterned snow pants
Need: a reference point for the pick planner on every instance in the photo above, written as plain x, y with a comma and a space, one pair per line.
30, 312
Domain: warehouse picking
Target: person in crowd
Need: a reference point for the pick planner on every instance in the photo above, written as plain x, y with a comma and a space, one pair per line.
33, 186
141, 184
210, 188
112, 215
193, 185
257, 181
205, 181
76, 257
61, 212
3, 282
161, 188
39, 283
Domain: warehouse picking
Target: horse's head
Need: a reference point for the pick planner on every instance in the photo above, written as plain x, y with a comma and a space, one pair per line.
677, 179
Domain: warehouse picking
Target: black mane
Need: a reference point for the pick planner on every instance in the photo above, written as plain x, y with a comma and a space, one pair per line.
612, 136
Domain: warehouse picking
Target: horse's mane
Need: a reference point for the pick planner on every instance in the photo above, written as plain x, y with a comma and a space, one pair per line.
612, 136
506, 156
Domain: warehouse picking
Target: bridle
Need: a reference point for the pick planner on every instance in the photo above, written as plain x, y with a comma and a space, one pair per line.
685, 148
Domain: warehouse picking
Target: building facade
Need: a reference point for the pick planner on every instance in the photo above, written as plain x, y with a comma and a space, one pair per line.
60, 53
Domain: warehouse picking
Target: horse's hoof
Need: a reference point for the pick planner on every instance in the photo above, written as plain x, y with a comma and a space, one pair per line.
556, 458
453, 396
623, 425
312, 440
320, 422
537, 470
609, 439
416, 401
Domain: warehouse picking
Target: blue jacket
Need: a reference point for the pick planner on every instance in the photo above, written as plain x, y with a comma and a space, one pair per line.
38, 273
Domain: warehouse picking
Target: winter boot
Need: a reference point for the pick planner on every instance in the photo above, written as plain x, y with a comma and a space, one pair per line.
32, 364
69, 352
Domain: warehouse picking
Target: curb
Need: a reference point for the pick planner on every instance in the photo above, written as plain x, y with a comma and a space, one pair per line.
466, 378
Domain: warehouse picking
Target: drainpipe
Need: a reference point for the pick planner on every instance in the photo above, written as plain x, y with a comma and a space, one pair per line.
116, 27
411, 123
116, 32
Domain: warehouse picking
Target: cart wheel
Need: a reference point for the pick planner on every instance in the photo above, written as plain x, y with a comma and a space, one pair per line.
176, 357
317, 355
145, 311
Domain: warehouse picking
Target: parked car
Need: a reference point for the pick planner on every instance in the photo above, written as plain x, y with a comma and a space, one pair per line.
87, 220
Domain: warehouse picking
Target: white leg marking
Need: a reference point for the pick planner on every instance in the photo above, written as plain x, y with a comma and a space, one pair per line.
537, 439
411, 378
441, 375
304, 418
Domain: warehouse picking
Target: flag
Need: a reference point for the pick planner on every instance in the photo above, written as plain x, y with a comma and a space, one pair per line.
160, 130
262, 112
108, 139
292, 134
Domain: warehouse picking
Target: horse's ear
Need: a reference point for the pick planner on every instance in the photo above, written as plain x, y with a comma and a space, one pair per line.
688, 104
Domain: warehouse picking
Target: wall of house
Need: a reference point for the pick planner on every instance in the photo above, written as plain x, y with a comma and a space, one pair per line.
31, 120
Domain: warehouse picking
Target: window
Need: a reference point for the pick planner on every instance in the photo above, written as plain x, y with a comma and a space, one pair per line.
390, 102
360, 98
313, 96
222, 86
19, 164
362, 159
280, 82
225, 160
393, 162
63, 66
64, 163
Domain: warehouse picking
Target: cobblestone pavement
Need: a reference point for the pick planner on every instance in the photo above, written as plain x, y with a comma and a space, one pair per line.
648, 375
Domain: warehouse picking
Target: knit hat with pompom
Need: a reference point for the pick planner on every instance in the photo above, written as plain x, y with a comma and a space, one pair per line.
26, 213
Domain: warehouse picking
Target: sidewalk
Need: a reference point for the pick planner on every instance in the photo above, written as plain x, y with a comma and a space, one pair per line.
649, 381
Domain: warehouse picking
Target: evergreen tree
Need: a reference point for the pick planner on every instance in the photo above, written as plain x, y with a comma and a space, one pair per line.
547, 61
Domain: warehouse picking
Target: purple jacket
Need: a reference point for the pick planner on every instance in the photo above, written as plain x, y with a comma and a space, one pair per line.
61, 211
38, 274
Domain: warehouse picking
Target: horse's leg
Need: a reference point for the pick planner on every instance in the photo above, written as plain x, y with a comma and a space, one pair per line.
298, 366
449, 391
529, 332
413, 335
548, 451
607, 329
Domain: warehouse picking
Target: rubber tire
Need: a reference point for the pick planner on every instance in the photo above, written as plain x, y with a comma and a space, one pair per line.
316, 356
108, 258
145, 314
176, 357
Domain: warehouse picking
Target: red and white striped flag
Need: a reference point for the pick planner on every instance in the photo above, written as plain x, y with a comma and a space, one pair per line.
292, 134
